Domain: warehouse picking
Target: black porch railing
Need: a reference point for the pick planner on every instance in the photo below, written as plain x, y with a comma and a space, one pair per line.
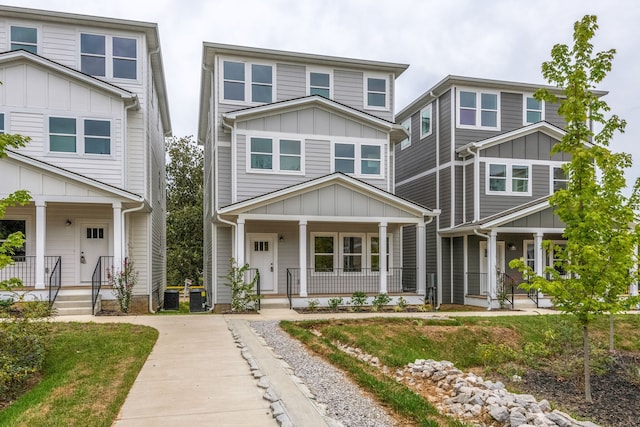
24, 268
250, 274
100, 277
341, 281
55, 281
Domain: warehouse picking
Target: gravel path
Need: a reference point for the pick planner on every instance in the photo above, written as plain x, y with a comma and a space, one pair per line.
343, 400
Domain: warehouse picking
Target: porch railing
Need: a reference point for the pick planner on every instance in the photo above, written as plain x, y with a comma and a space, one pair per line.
342, 281
24, 268
55, 281
249, 275
100, 277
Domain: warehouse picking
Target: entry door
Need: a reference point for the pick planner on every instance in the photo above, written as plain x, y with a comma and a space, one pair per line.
484, 263
94, 243
262, 255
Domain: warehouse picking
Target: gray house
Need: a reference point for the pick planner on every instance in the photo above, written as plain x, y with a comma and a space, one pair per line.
480, 151
299, 156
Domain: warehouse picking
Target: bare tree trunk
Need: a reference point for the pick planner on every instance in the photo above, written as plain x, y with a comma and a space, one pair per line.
611, 346
587, 368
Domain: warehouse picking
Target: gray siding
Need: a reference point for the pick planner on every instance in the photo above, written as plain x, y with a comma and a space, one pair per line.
458, 271
222, 254
473, 264
536, 146
469, 193
349, 88
543, 219
459, 195
420, 156
447, 297
291, 81
511, 111
432, 254
551, 115
421, 191
444, 127
445, 198
224, 176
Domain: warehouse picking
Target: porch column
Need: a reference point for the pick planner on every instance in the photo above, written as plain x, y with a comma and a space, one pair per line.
41, 238
633, 289
538, 259
382, 256
240, 242
491, 270
117, 235
421, 261
302, 256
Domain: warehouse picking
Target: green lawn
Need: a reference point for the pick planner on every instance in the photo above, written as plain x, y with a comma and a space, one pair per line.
88, 372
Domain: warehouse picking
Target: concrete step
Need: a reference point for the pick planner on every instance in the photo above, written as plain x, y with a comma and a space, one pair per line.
67, 303
72, 311
267, 303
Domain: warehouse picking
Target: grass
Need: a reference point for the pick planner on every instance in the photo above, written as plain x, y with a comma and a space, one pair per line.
88, 372
503, 345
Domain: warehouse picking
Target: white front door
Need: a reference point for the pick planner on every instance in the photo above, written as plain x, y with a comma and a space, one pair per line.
262, 254
94, 243
484, 263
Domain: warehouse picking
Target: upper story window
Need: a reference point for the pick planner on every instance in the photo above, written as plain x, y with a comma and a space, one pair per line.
358, 159
508, 179
425, 122
95, 135
533, 110
106, 56
559, 179
276, 155
9, 227
478, 110
245, 82
320, 83
24, 38
377, 92
407, 141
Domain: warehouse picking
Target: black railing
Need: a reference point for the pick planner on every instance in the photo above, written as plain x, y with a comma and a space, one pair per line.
250, 274
506, 290
104, 267
24, 268
532, 294
55, 281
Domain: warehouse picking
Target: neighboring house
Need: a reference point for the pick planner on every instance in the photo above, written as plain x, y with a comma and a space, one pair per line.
90, 93
299, 175
480, 151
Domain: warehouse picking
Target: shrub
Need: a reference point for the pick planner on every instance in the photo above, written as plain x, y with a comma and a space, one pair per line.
401, 304
122, 283
358, 300
334, 303
243, 294
313, 304
379, 301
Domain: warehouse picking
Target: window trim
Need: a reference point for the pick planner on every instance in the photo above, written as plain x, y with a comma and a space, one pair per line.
553, 180
509, 178
338, 253
275, 154
80, 136
84, 137
38, 36
387, 93
319, 70
28, 227
370, 253
312, 252
430, 108
109, 56
358, 158
5, 122
525, 122
248, 81
406, 143
478, 109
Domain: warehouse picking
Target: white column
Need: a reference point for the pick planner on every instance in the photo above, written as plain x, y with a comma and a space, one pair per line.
382, 256
41, 238
633, 290
491, 270
118, 235
539, 254
421, 261
302, 256
240, 242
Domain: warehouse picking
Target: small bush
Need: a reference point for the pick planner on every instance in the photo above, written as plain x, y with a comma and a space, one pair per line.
22, 354
243, 294
379, 301
401, 304
313, 304
334, 303
358, 300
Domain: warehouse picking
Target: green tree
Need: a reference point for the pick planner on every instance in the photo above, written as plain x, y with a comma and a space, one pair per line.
597, 265
185, 205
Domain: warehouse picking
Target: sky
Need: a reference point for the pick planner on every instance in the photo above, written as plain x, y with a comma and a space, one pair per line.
493, 39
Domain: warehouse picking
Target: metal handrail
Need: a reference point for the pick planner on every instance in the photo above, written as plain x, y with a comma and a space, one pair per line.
289, 287
55, 281
98, 278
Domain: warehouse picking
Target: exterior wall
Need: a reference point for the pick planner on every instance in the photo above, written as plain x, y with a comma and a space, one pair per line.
543, 219
290, 81
447, 295
458, 272
137, 233
420, 156
222, 254
444, 127
469, 194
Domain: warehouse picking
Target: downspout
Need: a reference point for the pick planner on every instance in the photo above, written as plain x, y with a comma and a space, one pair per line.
123, 249
224, 221
485, 236
124, 143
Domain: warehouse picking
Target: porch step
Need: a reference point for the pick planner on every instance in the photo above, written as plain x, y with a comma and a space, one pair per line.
524, 302
267, 303
73, 304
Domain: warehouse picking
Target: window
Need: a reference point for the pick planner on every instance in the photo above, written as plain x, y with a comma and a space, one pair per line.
348, 252
508, 179
95, 233
425, 121
1, 123
374, 253
62, 134
283, 155
478, 110
376, 91
407, 141
533, 110
352, 253
97, 137
323, 253
319, 83
94, 56
235, 86
24, 38
10, 226
559, 180
358, 159
530, 254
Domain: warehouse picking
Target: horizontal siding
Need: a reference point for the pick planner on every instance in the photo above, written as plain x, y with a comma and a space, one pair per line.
459, 195
469, 193
551, 115
458, 272
137, 234
447, 297
224, 176
417, 158
445, 198
511, 110
349, 88
290, 81
421, 191
444, 127
60, 44
432, 254
223, 254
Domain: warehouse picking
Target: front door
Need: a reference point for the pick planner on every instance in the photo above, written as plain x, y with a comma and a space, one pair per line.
484, 263
262, 255
94, 243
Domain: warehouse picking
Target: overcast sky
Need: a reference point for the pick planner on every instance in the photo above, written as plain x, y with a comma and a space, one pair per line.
495, 39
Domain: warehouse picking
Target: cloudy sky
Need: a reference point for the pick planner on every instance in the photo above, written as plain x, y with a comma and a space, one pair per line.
496, 39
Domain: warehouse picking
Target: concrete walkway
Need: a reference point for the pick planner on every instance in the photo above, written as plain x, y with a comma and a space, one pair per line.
196, 374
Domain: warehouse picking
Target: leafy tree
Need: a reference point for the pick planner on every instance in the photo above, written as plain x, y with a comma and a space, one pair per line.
597, 265
185, 205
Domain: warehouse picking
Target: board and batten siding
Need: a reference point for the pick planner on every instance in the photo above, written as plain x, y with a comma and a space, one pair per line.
535, 146
542, 219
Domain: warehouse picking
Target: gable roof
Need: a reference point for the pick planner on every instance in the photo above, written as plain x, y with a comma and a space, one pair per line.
543, 126
398, 132
334, 178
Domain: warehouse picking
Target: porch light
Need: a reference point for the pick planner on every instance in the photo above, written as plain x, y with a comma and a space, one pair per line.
281, 238
68, 223
511, 247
